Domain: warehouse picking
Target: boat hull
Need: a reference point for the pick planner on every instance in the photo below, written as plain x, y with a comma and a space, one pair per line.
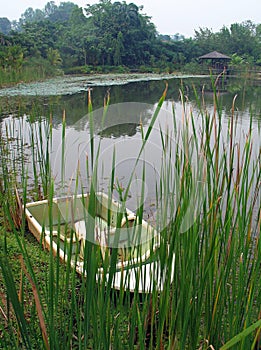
68, 224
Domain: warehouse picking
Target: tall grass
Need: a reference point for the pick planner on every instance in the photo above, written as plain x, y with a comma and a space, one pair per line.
215, 296
33, 70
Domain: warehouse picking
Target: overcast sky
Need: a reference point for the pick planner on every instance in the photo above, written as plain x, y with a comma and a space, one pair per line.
169, 16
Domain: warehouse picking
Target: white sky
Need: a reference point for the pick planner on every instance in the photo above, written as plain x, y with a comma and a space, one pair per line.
169, 16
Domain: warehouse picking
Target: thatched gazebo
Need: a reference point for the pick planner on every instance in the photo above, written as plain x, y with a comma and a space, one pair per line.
218, 61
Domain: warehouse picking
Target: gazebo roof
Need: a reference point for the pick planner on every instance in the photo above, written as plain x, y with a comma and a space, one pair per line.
215, 55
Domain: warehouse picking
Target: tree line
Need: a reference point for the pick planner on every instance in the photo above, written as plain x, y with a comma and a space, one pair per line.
112, 35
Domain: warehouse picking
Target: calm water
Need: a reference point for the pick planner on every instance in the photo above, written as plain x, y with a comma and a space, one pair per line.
132, 105
248, 97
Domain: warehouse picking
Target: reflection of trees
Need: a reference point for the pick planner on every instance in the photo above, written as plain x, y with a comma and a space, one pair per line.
20, 105
126, 129
120, 117
148, 92
247, 93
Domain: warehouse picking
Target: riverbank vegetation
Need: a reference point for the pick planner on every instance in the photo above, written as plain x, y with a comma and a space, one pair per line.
111, 37
215, 296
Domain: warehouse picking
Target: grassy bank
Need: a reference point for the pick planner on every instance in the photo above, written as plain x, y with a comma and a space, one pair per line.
214, 232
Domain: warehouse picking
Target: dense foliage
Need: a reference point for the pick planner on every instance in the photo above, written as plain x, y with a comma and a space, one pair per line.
111, 34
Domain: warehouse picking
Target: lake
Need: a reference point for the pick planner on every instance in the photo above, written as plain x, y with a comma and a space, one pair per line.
131, 108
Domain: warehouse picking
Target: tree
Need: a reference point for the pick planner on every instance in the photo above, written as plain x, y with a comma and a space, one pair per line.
28, 15
37, 37
119, 48
74, 39
62, 12
5, 25
49, 9
54, 57
11, 56
117, 33
133, 45
206, 40
242, 39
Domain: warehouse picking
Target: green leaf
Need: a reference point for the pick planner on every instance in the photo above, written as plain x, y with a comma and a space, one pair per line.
241, 335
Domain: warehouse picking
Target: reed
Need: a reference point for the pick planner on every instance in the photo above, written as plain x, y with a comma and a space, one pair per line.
214, 300
34, 70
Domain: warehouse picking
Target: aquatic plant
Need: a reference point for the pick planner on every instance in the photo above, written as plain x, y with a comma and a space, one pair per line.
213, 229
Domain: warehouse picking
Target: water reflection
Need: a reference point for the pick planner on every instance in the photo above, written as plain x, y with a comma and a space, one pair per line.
120, 132
132, 162
76, 106
126, 129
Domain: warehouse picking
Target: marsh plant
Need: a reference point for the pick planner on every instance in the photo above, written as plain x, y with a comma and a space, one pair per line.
208, 215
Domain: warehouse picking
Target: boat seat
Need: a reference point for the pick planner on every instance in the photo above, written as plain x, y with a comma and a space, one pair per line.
101, 228
60, 232
101, 231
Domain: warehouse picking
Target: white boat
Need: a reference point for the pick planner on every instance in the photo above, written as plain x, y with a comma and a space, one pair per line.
67, 223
